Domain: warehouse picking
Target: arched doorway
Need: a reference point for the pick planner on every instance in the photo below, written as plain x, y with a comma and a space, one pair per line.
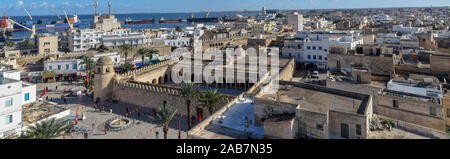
154, 81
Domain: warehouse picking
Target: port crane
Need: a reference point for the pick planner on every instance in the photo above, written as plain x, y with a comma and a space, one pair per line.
33, 28
68, 21
29, 15
59, 17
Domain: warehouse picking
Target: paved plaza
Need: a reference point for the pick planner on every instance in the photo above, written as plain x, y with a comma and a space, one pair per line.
143, 128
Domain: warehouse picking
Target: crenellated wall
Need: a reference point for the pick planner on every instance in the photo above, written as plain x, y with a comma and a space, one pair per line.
146, 69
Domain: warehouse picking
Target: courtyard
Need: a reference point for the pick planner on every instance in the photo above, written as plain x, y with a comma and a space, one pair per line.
95, 115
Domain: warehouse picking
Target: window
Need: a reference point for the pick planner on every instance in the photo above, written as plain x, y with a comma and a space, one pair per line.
433, 111
314, 57
319, 126
290, 55
49, 67
27, 96
448, 113
358, 129
299, 46
9, 102
67, 66
395, 104
325, 50
320, 57
8, 119
59, 67
320, 47
314, 48
309, 47
309, 56
74, 66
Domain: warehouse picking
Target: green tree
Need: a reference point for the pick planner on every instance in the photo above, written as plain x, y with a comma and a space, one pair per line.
143, 52
9, 43
127, 66
191, 92
212, 98
26, 43
152, 52
178, 29
89, 68
165, 115
48, 129
126, 48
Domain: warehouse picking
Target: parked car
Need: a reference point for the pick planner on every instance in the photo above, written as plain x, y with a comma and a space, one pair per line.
315, 74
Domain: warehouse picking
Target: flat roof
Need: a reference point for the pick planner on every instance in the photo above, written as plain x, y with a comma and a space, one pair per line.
320, 99
36, 111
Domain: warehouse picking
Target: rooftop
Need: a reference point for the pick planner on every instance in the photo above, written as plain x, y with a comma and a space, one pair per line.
320, 99
39, 110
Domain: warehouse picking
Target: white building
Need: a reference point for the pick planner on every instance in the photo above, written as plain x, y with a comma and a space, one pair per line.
13, 94
407, 30
85, 39
296, 20
115, 57
381, 18
293, 48
178, 42
63, 66
318, 43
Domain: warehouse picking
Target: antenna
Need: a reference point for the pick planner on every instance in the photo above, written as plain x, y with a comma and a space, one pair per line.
109, 7
95, 8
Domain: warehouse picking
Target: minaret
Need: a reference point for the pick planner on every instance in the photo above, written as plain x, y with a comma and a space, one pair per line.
104, 73
109, 7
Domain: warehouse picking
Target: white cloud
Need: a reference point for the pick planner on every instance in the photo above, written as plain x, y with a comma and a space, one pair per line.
34, 5
66, 4
44, 4
79, 6
20, 3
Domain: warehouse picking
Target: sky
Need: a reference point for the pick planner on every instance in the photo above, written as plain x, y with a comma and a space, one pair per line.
47, 7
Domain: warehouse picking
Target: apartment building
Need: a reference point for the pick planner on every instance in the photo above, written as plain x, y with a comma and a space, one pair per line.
13, 94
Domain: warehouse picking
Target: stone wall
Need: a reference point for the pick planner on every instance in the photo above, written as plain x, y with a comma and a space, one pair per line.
440, 65
412, 111
308, 124
148, 68
286, 129
408, 68
265, 108
338, 118
379, 65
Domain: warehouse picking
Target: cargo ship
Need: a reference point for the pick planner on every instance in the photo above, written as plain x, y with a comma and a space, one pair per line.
146, 21
46, 24
162, 20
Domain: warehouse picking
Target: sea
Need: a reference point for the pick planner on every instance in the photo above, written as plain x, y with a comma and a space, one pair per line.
87, 19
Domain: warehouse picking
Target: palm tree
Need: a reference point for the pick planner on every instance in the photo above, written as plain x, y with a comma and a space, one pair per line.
126, 48
152, 52
191, 92
48, 129
212, 98
143, 52
26, 43
165, 114
127, 66
9, 43
89, 68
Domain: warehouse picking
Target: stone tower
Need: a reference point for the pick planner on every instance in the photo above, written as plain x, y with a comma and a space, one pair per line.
104, 72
